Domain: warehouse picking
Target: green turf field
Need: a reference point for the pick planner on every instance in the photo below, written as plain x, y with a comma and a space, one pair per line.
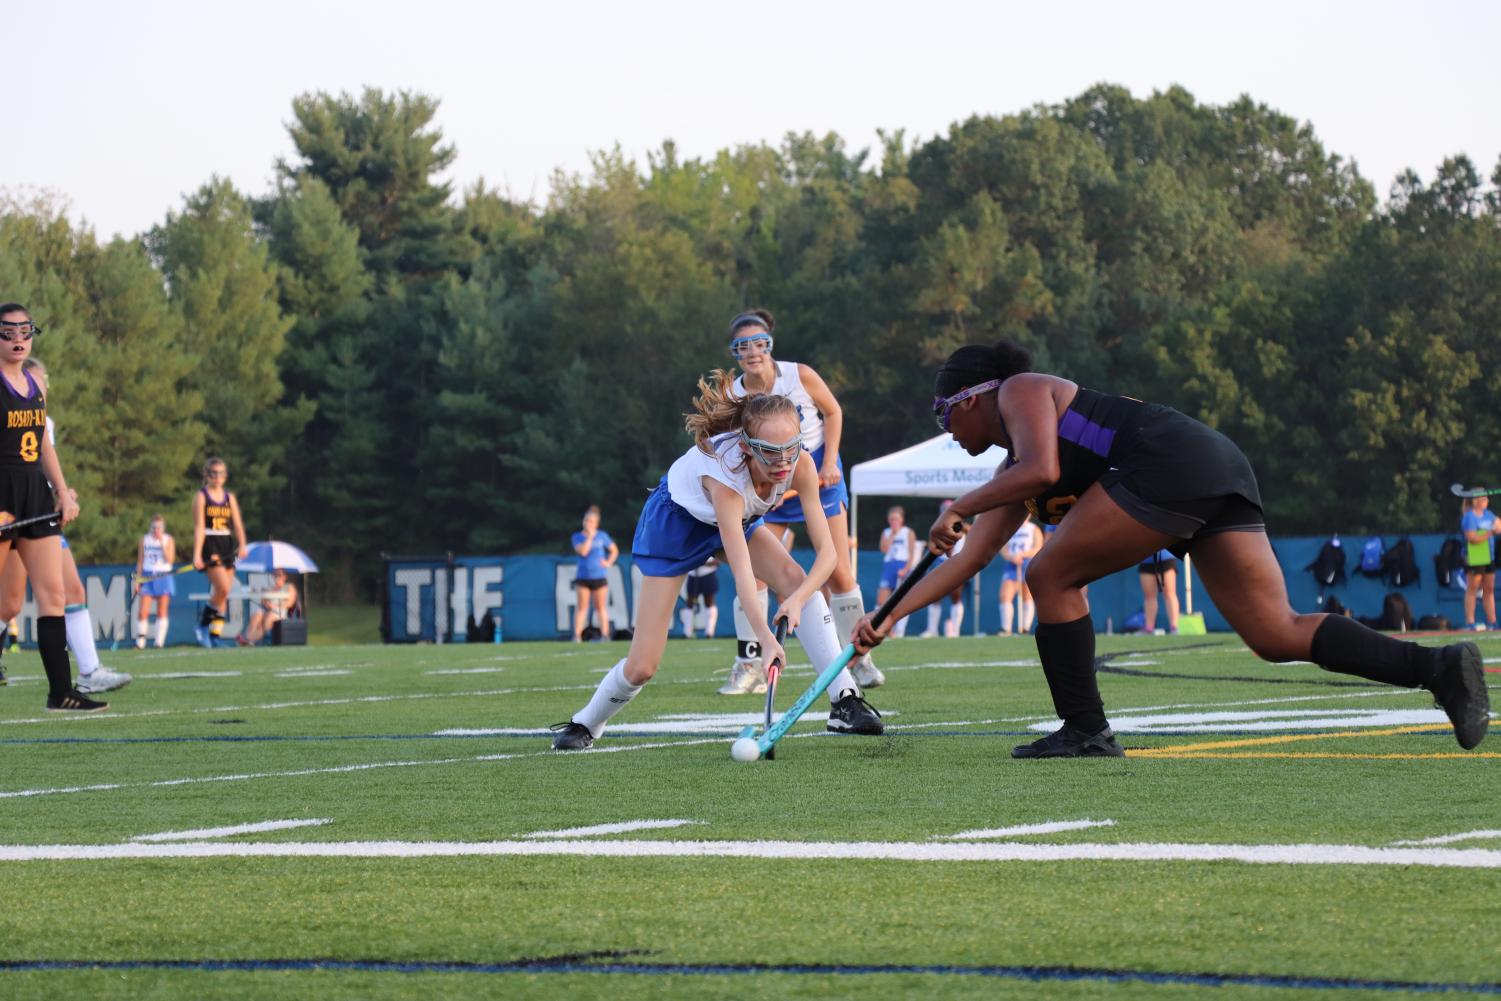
1275, 832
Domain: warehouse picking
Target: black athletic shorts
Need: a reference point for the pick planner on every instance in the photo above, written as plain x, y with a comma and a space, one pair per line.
702, 587
1184, 479
220, 551
590, 583
24, 493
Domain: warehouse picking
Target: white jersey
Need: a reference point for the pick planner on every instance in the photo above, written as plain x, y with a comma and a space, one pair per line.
154, 555
51, 432
1020, 543
729, 466
900, 550
789, 383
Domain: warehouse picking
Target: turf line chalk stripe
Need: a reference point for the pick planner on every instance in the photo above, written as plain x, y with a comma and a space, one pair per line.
899, 851
1449, 839
1052, 827
1292, 738
228, 832
575, 966
625, 827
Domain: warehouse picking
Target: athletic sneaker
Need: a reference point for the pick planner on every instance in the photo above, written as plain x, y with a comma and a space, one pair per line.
1069, 742
1460, 690
75, 702
746, 678
852, 714
200, 633
1479, 627
571, 736
866, 674
103, 679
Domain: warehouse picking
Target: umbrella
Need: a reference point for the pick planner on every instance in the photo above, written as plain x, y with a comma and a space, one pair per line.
264, 556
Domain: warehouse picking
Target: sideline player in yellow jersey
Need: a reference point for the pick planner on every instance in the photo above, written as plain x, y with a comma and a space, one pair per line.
218, 540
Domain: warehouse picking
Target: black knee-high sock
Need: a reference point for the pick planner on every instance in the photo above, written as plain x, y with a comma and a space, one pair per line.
1344, 645
52, 642
1067, 653
206, 615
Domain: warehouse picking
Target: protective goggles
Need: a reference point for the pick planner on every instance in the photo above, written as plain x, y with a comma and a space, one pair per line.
23, 331
943, 405
750, 344
769, 453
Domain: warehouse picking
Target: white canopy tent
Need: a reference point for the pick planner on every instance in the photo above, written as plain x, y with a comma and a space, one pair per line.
938, 467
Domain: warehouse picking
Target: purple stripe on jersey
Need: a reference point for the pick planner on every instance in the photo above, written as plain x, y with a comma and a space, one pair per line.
32, 389
1086, 433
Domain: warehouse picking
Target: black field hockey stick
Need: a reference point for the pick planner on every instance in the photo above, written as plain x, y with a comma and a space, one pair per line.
774, 733
772, 674
1460, 490
11, 526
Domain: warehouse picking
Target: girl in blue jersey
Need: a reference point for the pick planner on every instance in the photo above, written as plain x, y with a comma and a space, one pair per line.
747, 453
597, 553
822, 424
32, 484
1123, 479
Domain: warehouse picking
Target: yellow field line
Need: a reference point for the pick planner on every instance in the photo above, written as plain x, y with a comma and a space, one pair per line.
1218, 745
1197, 755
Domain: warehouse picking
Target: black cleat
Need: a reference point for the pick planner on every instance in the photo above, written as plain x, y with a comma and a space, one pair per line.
1460, 690
3, 679
1068, 742
571, 736
852, 714
74, 702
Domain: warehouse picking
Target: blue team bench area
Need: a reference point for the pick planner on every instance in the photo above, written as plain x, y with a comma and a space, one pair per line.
532, 597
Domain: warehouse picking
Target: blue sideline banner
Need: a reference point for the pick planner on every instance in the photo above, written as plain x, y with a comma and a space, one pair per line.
532, 597
114, 608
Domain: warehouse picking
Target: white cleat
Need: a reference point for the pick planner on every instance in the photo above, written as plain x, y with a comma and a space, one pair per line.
746, 678
866, 674
102, 680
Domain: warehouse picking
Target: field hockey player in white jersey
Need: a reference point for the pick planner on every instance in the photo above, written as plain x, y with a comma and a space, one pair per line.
747, 452
155, 554
822, 424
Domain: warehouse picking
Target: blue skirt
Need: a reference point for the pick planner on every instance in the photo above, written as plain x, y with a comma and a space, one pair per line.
669, 541
161, 587
834, 500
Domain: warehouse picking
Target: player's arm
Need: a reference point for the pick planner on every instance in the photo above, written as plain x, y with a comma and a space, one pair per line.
239, 523
67, 500
198, 530
1036, 546
729, 512
169, 548
611, 555
914, 553
983, 540
1031, 414
833, 422
583, 548
140, 557
885, 540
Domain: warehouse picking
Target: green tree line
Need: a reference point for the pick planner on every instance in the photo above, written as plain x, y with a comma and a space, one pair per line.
390, 365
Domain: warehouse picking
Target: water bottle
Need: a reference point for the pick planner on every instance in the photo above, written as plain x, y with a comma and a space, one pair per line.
497, 631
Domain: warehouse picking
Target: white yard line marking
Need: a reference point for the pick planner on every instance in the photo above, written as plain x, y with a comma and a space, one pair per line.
625, 827
311, 674
227, 832
173, 675
365, 767
1305, 854
471, 670
1449, 839
1052, 827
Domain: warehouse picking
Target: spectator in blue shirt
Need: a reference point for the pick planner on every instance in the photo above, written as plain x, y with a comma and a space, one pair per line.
1479, 527
597, 552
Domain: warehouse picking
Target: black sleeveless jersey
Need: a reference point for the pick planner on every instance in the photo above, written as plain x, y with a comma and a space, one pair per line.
25, 424
218, 516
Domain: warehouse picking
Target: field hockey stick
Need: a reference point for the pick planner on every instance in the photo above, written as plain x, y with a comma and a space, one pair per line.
768, 740
772, 674
1460, 490
138, 578
35, 520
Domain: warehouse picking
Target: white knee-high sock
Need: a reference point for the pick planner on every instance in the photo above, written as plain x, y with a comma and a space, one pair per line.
162, 622
900, 629
1008, 615
1029, 612
815, 631
934, 611
956, 619
711, 620
685, 615
612, 695
747, 646
848, 609
80, 629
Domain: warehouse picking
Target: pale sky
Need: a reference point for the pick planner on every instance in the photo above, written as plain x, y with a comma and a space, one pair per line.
124, 108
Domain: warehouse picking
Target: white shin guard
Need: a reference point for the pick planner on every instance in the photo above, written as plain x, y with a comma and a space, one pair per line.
747, 646
613, 694
821, 643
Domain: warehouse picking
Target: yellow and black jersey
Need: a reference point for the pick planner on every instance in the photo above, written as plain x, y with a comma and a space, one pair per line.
25, 424
218, 515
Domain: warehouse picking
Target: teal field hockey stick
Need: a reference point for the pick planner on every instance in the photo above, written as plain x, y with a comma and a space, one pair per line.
1460, 490
768, 740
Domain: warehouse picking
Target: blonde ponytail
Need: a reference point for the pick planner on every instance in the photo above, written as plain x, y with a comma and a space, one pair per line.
715, 409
